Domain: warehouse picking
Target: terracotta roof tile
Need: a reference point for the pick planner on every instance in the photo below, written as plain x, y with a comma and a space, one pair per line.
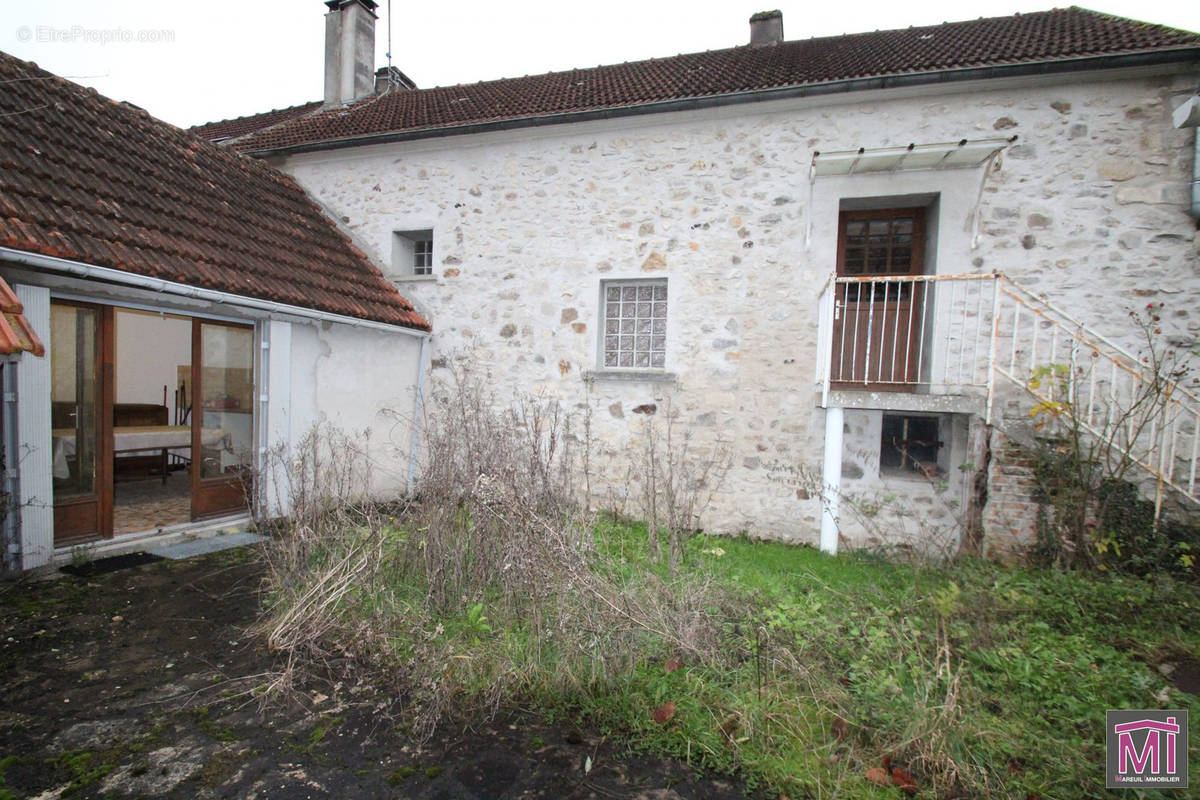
88, 179
1049, 36
240, 126
16, 334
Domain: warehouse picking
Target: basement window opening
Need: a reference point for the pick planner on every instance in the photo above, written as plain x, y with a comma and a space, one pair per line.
909, 446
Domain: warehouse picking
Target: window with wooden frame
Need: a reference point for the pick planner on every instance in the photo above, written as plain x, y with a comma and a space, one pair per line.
878, 306
635, 324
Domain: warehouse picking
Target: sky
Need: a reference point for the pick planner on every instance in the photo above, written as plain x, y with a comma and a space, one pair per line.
188, 61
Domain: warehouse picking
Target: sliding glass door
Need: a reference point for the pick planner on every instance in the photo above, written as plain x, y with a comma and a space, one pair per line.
222, 417
211, 435
81, 365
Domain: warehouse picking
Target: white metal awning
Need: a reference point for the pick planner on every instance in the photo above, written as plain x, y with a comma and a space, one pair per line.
945, 155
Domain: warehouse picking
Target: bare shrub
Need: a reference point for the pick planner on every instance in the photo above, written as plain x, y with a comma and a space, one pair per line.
487, 583
331, 542
676, 481
1104, 431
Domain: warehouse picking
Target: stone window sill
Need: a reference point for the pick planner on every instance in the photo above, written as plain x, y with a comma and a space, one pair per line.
414, 278
630, 375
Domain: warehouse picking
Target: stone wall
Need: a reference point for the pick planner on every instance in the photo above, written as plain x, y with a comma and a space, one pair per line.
1088, 206
922, 512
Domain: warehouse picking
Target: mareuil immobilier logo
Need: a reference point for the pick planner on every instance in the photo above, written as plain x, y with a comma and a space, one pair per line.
1147, 748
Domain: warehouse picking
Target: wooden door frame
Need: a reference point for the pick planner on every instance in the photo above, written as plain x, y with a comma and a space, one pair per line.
916, 267
77, 510
211, 497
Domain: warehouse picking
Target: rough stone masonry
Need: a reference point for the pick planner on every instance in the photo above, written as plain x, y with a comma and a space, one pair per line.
1088, 206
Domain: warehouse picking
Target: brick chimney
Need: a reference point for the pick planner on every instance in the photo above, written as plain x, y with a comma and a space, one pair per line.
766, 27
349, 50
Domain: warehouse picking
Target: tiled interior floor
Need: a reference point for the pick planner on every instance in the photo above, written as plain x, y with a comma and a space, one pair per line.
146, 504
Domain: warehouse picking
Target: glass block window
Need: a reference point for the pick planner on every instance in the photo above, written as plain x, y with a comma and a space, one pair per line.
635, 324
423, 257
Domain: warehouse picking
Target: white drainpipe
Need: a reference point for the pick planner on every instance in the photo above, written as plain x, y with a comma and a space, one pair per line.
831, 479
1188, 116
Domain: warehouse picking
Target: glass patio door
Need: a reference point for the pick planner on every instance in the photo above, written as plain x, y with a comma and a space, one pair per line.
81, 365
222, 417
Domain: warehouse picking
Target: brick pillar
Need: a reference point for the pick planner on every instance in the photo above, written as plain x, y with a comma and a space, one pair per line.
1010, 515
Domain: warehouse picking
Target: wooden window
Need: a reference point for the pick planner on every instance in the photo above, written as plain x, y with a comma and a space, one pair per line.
881, 244
879, 312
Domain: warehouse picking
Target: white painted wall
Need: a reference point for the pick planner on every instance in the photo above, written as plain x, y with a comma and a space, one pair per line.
1088, 206
360, 382
150, 348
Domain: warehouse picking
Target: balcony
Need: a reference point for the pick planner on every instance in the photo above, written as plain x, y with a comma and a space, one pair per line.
984, 345
913, 342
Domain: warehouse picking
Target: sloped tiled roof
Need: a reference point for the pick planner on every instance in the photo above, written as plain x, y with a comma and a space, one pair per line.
16, 334
1047, 37
240, 126
86, 178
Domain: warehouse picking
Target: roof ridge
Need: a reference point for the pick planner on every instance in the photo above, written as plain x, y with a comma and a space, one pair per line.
251, 116
748, 46
137, 113
1119, 18
1073, 38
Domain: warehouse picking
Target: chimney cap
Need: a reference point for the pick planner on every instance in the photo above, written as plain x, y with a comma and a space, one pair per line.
762, 16
766, 28
338, 5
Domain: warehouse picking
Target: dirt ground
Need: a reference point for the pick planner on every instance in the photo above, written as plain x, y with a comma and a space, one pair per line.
143, 683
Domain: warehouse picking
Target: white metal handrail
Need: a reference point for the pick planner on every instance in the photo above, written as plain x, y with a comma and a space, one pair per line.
1109, 391
955, 333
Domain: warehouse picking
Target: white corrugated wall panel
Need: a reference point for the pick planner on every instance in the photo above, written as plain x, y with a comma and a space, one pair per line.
278, 421
35, 459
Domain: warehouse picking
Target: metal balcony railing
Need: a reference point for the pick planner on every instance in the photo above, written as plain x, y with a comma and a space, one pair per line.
906, 332
954, 334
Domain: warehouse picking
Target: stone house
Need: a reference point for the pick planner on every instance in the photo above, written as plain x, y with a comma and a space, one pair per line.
840, 257
199, 313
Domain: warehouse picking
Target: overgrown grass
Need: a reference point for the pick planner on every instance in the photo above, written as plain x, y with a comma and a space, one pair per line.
978, 678
799, 672
975, 678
